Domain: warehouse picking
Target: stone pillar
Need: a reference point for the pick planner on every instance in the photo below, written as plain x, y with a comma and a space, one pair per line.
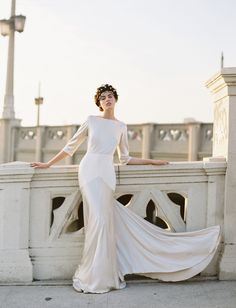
40, 134
6, 139
223, 87
15, 263
147, 130
193, 145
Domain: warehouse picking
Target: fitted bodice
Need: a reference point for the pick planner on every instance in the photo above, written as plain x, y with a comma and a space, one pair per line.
103, 135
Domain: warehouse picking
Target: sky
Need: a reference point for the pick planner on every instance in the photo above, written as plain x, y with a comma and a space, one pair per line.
158, 54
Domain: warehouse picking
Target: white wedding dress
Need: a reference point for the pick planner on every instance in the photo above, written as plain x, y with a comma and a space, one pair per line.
118, 241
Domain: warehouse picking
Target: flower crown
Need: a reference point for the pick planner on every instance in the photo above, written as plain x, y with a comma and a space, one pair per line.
103, 88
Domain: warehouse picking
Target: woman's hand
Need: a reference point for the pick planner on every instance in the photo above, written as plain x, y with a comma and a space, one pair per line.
39, 165
146, 161
159, 162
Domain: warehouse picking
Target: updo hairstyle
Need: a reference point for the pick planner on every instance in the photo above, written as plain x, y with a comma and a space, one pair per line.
100, 90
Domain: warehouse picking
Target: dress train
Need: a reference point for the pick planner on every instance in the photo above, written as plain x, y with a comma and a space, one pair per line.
119, 242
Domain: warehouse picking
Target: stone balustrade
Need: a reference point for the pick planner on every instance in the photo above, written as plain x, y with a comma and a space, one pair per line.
178, 142
41, 211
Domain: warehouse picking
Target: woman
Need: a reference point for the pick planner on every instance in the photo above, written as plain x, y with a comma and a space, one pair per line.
117, 241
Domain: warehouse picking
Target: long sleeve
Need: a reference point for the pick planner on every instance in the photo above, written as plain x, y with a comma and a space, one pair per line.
78, 138
123, 147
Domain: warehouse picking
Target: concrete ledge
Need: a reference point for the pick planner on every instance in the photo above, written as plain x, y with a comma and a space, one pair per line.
16, 266
227, 270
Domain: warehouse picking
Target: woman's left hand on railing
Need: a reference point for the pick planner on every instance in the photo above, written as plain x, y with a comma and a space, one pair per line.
159, 162
39, 165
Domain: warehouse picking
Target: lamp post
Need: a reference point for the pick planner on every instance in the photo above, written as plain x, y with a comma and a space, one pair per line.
222, 60
8, 28
40, 130
38, 101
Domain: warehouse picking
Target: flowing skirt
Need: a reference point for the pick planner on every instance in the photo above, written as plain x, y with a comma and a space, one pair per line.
119, 242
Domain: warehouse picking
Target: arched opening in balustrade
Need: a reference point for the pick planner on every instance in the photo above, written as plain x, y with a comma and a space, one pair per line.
56, 203
125, 199
77, 223
152, 216
181, 201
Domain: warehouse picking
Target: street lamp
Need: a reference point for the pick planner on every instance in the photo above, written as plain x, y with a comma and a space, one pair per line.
19, 22
38, 101
16, 23
8, 28
5, 27
222, 60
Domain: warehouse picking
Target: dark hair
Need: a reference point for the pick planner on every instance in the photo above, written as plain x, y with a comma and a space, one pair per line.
100, 90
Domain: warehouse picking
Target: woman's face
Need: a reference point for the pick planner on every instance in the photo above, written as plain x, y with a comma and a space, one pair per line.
107, 100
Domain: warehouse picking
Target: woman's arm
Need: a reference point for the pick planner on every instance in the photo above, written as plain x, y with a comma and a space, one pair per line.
69, 149
59, 156
143, 161
126, 159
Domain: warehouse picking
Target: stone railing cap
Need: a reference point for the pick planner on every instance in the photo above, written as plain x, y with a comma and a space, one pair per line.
15, 164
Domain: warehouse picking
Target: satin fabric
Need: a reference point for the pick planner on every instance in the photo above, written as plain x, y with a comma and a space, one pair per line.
118, 241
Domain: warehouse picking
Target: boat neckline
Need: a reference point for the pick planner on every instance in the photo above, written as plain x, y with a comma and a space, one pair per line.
118, 121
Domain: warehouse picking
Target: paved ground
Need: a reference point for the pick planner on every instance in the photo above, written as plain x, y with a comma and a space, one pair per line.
191, 294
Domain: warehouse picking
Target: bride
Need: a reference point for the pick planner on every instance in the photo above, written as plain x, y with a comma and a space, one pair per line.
118, 241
